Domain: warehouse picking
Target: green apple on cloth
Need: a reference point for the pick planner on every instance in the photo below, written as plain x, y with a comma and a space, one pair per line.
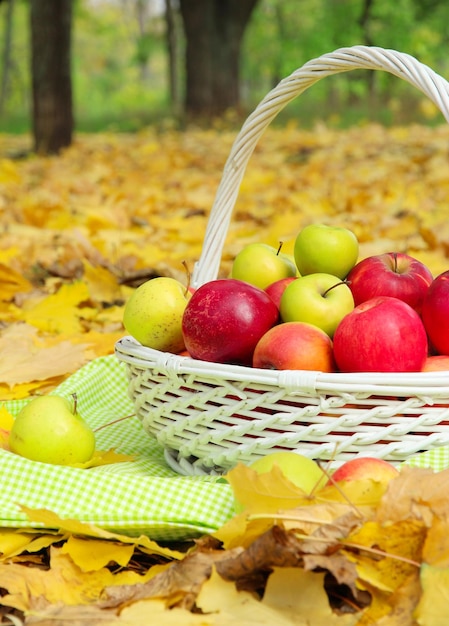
142, 496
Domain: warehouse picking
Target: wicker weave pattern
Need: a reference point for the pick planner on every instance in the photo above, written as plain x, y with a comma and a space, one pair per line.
210, 416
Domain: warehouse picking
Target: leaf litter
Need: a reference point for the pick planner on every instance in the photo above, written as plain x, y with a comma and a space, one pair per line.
77, 240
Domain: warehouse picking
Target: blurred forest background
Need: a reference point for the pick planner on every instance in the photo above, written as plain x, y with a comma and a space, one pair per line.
121, 65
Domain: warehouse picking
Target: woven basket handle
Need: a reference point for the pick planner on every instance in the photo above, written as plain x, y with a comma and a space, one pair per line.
342, 60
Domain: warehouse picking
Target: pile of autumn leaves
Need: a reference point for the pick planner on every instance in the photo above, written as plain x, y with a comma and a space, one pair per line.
79, 232
362, 553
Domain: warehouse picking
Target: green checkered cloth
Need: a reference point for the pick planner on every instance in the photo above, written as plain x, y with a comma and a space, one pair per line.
143, 496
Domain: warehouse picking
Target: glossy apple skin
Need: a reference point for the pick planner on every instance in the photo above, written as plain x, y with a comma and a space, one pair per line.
320, 248
153, 314
224, 320
47, 430
260, 264
319, 299
276, 289
383, 334
361, 467
391, 274
435, 313
295, 346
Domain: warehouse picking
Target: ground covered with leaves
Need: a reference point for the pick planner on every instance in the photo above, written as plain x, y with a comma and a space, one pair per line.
79, 232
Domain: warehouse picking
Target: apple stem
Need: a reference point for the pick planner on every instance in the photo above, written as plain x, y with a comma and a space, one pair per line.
395, 258
281, 243
119, 419
343, 282
75, 402
188, 275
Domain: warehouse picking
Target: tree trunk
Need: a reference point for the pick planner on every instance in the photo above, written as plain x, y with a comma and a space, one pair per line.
51, 24
172, 50
6, 55
214, 31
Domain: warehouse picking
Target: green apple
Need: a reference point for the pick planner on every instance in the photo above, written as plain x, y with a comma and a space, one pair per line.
303, 472
319, 299
325, 249
260, 265
49, 429
153, 314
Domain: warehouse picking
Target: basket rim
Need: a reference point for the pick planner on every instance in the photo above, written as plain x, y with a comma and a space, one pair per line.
130, 351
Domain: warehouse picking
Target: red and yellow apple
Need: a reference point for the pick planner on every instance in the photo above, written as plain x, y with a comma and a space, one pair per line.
319, 299
361, 467
224, 320
324, 249
383, 334
276, 289
260, 264
392, 274
435, 313
295, 346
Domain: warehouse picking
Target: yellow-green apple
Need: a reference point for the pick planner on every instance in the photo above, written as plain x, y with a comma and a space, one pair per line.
276, 289
224, 320
436, 363
435, 313
391, 274
153, 314
49, 429
319, 299
320, 248
383, 334
295, 346
260, 264
303, 472
361, 467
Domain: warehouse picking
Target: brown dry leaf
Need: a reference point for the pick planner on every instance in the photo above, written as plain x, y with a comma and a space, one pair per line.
436, 546
416, 493
64, 582
25, 357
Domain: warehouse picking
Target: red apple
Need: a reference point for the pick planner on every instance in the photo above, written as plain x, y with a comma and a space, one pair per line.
276, 289
361, 467
225, 320
435, 313
381, 335
392, 274
295, 346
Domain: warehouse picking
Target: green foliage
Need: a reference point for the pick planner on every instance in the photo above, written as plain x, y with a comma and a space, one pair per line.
120, 73
286, 33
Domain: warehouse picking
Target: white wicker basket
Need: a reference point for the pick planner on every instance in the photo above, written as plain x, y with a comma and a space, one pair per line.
210, 416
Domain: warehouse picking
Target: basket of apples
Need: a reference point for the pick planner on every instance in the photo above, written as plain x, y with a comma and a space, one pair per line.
326, 354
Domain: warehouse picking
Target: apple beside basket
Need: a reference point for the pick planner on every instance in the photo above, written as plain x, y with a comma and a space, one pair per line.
209, 416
